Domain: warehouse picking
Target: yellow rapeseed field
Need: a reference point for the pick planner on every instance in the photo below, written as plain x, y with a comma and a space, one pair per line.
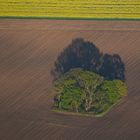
124, 9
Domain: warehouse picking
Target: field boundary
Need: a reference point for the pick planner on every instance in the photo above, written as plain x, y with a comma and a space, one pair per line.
67, 18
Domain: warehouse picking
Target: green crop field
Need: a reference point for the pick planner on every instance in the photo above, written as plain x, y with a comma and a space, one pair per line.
112, 9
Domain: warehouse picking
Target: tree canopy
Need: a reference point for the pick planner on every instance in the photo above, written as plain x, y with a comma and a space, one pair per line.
85, 91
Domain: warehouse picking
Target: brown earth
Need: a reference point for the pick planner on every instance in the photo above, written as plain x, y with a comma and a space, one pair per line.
28, 49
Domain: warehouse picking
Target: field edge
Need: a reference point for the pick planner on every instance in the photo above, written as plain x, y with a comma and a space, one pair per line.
67, 18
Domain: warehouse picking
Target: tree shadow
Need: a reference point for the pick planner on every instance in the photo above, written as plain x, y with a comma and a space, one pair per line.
85, 55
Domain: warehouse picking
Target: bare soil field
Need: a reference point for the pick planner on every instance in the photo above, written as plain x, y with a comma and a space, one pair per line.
28, 49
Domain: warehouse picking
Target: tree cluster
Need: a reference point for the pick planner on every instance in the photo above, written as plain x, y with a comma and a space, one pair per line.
84, 91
